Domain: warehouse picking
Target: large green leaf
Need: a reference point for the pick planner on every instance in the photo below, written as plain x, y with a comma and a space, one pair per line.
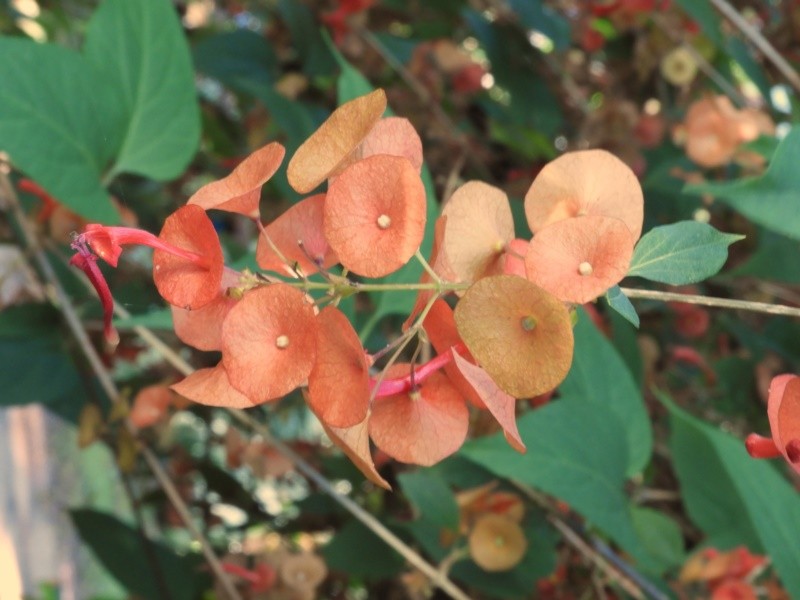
770, 199
358, 552
435, 509
141, 55
54, 124
681, 253
577, 451
734, 498
137, 563
238, 54
600, 377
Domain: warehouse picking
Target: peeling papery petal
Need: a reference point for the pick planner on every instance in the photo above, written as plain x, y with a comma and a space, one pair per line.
578, 259
212, 387
500, 404
328, 147
202, 328
298, 235
420, 427
338, 385
520, 334
182, 282
375, 215
479, 226
240, 192
588, 182
269, 341
354, 442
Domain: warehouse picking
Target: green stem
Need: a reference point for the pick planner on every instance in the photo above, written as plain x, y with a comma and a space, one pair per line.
426, 265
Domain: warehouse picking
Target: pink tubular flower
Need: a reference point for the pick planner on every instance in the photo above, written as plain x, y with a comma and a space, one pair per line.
107, 243
87, 263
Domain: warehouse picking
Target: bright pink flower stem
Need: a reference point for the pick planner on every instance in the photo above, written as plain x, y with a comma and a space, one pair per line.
399, 385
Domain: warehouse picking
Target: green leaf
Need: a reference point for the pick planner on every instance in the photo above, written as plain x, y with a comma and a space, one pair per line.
433, 501
661, 536
734, 498
622, 305
28, 320
124, 552
770, 199
577, 451
234, 55
600, 377
357, 552
140, 52
55, 126
775, 258
681, 253
308, 40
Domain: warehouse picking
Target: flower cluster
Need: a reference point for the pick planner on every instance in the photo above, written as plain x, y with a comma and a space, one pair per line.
509, 337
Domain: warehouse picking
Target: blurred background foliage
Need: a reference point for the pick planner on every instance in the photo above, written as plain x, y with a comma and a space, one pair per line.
123, 111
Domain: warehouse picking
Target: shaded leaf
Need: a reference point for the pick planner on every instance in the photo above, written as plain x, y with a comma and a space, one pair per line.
620, 303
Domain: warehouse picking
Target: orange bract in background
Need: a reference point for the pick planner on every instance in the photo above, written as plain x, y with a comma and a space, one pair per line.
180, 281
212, 388
423, 429
497, 543
589, 182
202, 328
578, 259
150, 405
331, 144
479, 226
302, 222
240, 192
269, 342
338, 385
520, 334
375, 215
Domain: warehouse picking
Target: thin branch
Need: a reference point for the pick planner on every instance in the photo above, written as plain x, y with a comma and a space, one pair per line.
759, 41
64, 304
761, 307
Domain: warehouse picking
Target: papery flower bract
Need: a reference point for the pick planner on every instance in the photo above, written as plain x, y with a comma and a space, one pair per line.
240, 192
421, 426
500, 404
269, 342
519, 333
588, 182
338, 385
354, 442
375, 215
479, 226
212, 387
514, 257
189, 282
329, 146
395, 136
202, 328
298, 235
578, 259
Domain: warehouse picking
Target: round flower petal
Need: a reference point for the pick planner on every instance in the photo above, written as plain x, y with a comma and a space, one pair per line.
578, 259
269, 342
588, 182
375, 215
202, 328
212, 387
496, 543
520, 334
479, 226
420, 427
